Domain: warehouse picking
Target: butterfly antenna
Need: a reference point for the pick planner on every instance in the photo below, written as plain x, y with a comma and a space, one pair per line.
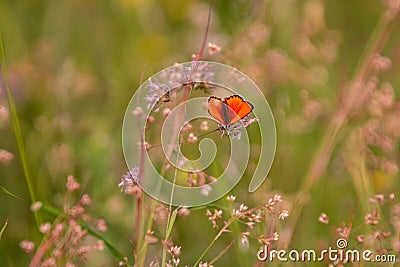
209, 132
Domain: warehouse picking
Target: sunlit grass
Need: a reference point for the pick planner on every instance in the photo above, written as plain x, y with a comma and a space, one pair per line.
329, 71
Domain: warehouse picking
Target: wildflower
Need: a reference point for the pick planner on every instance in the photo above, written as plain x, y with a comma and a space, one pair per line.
277, 198
196, 72
360, 238
85, 200
256, 217
204, 126
161, 213
156, 91
129, 180
76, 210
174, 251
283, 214
36, 206
323, 218
377, 234
138, 111
5, 156
372, 218
205, 264
187, 127
72, 184
214, 217
45, 228
151, 238
192, 138
176, 261
183, 212
243, 208
206, 189
3, 112
166, 112
101, 225
150, 119
380, 198
27, 246
99, 246
343, 231
392, 196
231, 198
380, 63
244, 241
213, 49
236, 213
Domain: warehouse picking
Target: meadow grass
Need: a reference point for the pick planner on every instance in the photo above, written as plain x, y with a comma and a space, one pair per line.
328, 70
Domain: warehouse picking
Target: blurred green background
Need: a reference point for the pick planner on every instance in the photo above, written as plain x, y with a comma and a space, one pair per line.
74, 65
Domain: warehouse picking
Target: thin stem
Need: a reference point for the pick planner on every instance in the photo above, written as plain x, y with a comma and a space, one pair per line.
203, 44
223, 229
223, 251
17, 130
173, 141
43, 249
3, 228
170, 222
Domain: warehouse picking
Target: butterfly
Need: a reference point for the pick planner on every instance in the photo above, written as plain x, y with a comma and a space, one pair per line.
229, 110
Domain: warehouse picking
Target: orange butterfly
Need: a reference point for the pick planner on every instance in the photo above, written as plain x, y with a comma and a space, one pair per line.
230, 110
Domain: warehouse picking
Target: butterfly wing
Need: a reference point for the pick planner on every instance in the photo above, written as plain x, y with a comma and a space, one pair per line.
237, 108
215, 106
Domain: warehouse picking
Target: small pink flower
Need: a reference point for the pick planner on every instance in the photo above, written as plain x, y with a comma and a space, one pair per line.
36, 206
45, 228
72, 184
360, 238
27, 246
204, 126
5, 156
166, 112
213, 48
231, 198
85, 200
323, 218
283, 214
138, 111
192, 138
101, 225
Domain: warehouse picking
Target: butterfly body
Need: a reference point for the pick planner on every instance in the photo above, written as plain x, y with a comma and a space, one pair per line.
229, 110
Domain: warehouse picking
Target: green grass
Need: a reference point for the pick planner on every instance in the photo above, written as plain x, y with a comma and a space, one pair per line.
69, 69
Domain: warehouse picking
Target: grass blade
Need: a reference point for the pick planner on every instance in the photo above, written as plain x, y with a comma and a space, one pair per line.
9, 193
17, 129
3, 229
